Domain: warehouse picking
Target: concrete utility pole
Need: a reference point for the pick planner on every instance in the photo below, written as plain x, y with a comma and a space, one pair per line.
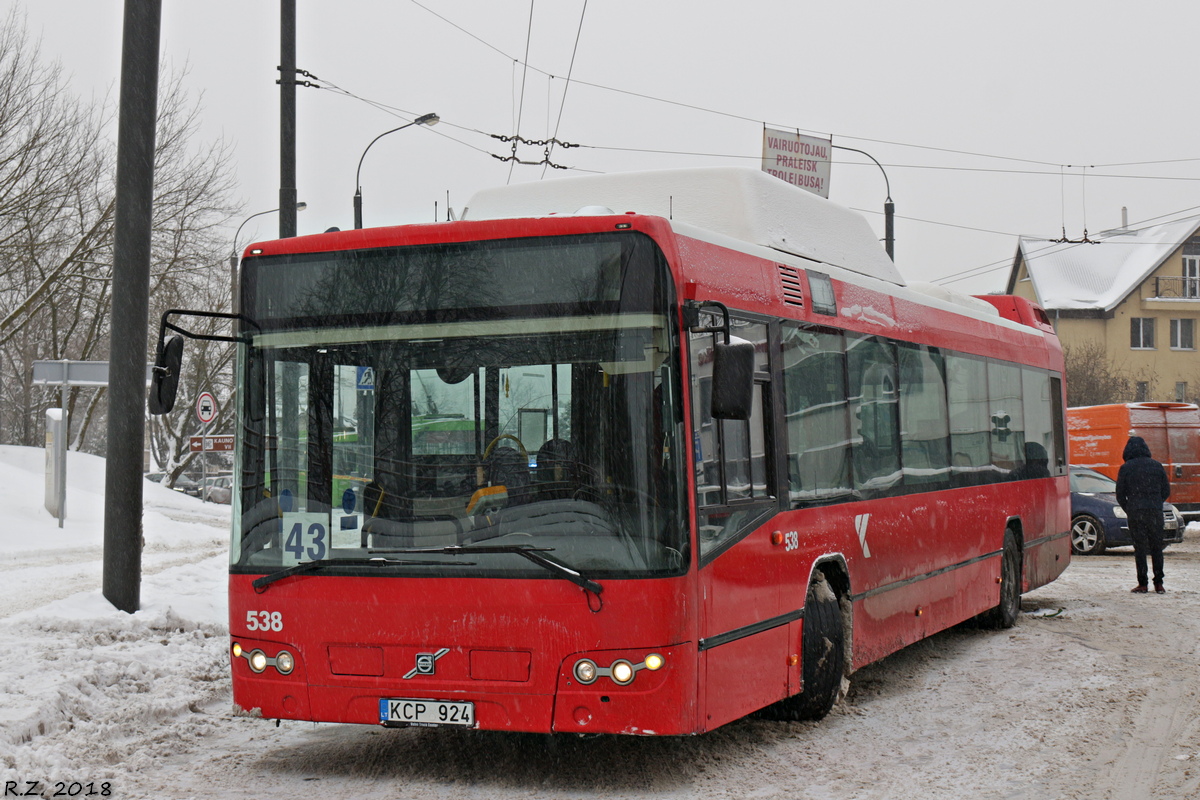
130, 304
287, 118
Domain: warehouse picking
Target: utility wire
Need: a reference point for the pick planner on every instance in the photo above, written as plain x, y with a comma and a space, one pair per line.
975, 272
521, 107
714, 111
567, 85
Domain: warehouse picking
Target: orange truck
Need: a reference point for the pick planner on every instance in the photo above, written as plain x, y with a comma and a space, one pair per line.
1097, 437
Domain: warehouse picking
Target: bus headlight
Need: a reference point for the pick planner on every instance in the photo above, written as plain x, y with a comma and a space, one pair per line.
621, 672
258, 661
284, 662
585, 671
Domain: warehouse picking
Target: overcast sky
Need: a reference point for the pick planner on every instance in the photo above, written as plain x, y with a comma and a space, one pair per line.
991, 120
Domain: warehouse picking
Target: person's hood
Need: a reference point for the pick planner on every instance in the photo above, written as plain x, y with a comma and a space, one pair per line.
1136, 447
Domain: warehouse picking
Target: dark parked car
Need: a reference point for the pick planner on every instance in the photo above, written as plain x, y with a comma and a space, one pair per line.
1097, 522
182, 484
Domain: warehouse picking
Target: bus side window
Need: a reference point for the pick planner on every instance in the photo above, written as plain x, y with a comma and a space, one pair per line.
967, 402
732, 475
924, 428
816, 416
875, 430
1007, 417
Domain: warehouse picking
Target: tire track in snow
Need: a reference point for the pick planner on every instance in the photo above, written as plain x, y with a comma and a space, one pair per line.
1162, 716
43, 577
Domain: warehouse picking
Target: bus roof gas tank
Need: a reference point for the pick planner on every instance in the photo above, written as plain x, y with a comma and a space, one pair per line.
738, 202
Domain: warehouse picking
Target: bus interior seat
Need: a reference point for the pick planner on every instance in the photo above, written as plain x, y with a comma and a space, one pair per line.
506, 467
558, 470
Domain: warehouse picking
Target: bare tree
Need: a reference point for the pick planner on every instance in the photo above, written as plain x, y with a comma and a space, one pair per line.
57, 183
1094, 379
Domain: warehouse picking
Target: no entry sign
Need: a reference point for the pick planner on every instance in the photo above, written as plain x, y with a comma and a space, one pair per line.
206, 407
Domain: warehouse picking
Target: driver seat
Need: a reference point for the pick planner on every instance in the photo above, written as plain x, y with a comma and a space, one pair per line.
558, 470
506, 467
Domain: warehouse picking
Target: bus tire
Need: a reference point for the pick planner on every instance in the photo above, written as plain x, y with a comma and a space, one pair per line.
1004, 615
822, 649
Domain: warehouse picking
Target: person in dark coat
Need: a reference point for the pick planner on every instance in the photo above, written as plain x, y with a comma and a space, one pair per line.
1142, 488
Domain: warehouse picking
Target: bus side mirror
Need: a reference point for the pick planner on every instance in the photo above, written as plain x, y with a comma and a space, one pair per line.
733, 380
164, 379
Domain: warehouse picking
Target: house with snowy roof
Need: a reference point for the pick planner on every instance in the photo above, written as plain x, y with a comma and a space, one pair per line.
1135, 291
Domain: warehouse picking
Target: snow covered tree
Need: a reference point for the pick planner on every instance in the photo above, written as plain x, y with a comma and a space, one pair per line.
57, 203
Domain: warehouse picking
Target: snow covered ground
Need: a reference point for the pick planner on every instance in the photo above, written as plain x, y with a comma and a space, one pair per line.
1093, 695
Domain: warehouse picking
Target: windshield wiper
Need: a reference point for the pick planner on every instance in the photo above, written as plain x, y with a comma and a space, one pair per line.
528, 552
260, 584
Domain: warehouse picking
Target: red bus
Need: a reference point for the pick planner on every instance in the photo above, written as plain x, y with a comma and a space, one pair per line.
630, 454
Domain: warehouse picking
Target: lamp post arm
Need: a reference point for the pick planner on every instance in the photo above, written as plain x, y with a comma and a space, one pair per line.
889, 208
358, 172
887, 185
247, 219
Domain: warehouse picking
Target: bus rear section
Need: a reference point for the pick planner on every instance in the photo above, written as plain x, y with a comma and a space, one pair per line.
1172, 430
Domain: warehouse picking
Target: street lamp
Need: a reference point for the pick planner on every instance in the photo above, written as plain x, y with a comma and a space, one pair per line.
889, 208
233, 256
424, 119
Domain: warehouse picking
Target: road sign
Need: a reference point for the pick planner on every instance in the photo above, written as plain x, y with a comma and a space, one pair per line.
206, 407
798, 159
365, 379
210, 444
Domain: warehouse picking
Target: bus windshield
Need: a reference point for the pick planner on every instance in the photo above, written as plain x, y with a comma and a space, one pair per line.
499, 395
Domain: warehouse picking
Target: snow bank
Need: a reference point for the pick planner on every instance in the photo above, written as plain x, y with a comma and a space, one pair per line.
80, 681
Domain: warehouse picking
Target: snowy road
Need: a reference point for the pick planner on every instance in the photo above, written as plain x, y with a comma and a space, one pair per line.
1098, 700
1092, 696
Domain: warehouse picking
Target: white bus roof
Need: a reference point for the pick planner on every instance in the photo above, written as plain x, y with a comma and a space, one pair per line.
737, 202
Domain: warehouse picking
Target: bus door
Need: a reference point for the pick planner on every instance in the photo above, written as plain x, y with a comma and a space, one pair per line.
744, 636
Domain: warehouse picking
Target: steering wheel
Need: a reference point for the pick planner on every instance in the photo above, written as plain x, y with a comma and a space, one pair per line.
488, 450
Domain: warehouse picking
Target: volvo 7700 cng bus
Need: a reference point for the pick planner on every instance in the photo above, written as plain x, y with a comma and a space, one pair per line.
635, 453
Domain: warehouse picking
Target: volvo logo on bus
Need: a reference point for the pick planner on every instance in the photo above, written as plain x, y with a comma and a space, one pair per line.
426, 663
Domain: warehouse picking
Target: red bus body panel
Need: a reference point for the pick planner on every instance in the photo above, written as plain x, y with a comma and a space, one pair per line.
917, 563
512, 644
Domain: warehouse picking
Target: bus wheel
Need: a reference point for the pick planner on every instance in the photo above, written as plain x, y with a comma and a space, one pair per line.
1004, 615
822, 649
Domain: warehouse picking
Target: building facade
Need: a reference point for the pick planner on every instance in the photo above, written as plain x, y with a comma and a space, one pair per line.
1133, 292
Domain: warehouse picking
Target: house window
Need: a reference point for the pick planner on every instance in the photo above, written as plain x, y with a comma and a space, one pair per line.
1142, 392
1182, 334
1141, 333
1191, 276
1181, 391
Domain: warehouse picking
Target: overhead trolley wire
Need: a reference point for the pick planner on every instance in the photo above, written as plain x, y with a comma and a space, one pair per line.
975, 272
567, 85
521, 105
875, 140
714, 111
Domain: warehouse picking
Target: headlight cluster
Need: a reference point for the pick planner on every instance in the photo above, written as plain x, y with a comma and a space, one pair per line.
621, 672
283, 662
1119, 512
